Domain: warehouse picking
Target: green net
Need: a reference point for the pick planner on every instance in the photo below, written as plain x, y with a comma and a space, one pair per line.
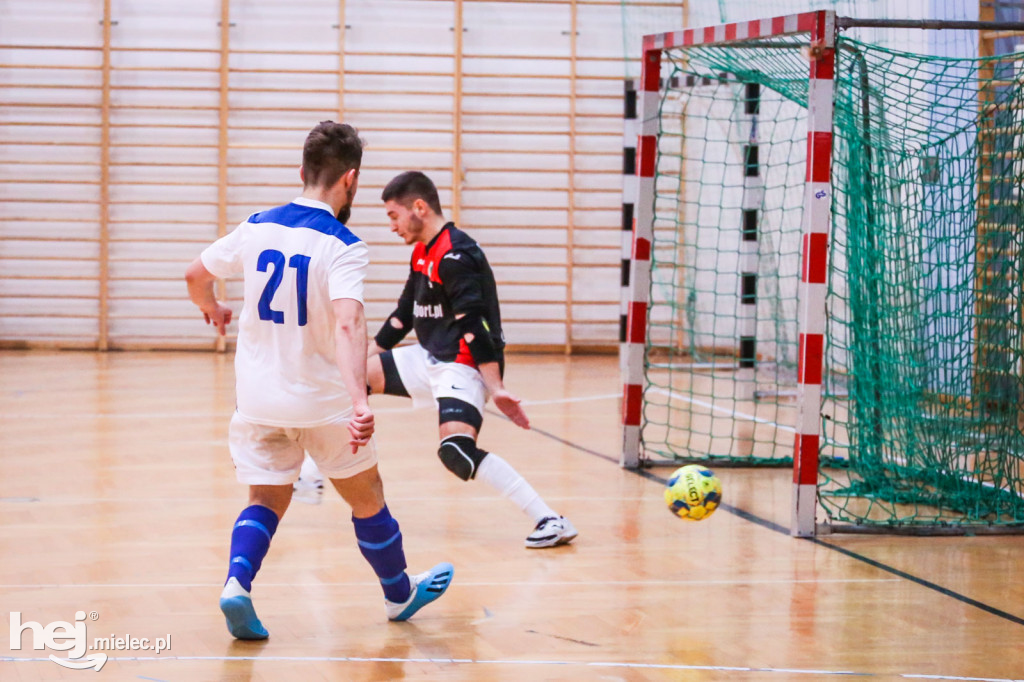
927, 273
924, 373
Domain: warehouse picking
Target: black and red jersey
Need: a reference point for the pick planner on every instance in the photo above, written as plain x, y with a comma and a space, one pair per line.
450, 291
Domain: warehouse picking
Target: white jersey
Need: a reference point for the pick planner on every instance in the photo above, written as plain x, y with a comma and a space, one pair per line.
294, 260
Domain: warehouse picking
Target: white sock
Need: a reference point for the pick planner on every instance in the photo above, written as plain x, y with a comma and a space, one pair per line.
500, 475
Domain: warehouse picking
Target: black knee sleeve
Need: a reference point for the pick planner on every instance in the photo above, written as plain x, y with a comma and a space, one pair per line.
392, 380
455, 410
461, 456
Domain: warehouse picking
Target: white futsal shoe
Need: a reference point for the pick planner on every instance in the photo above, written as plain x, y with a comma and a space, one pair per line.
551, 532
309, 489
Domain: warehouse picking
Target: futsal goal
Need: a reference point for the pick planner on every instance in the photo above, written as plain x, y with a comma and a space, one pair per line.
825, 270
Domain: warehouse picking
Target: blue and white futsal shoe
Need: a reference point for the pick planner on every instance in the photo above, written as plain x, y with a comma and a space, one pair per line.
236, 604
424, 588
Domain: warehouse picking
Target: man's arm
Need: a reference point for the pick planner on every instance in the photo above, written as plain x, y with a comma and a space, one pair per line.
200, 290
373, 349
461, 276
461, 281
398, 324
506, 402
350, 356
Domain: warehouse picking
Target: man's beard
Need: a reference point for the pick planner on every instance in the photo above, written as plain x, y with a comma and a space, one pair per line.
416, 225
346, 211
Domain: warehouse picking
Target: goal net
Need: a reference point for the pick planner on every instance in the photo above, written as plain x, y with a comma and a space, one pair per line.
827, 272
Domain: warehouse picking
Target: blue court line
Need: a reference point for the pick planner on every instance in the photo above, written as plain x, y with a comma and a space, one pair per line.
778, 528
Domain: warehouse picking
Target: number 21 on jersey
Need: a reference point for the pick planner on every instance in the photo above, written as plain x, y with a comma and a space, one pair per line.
275, 260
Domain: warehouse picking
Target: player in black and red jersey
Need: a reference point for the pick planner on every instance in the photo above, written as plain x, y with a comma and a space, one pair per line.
451, 301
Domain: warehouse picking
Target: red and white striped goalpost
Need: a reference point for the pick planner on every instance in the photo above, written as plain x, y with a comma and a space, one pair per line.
820, 28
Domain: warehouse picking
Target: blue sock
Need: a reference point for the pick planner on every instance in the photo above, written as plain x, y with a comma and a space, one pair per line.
250, 541
380, 541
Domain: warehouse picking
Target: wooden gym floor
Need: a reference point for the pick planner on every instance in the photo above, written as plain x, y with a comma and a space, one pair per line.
117, 498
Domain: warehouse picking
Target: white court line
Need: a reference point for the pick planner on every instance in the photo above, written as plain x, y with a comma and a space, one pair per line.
716, 408
911, 676
734, 413
768, 422
557, 401
471, 661
225, 415
332, 498
158, 415
760, 420
463, 583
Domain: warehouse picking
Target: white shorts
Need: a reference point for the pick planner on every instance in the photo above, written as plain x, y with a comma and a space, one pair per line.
272, 455
426, 378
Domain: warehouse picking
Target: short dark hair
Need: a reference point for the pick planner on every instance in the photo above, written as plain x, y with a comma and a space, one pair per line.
331, 150
410, 186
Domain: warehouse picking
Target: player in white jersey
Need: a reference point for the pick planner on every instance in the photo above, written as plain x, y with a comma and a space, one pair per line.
300, 367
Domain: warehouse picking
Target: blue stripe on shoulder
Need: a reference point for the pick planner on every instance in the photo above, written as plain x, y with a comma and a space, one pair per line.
296, 215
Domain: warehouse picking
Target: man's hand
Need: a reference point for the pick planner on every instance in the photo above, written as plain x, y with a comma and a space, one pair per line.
200, 290
219, 316
510, 407
360, 427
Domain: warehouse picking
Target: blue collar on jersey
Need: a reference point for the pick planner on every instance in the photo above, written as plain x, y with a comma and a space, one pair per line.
308, 213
